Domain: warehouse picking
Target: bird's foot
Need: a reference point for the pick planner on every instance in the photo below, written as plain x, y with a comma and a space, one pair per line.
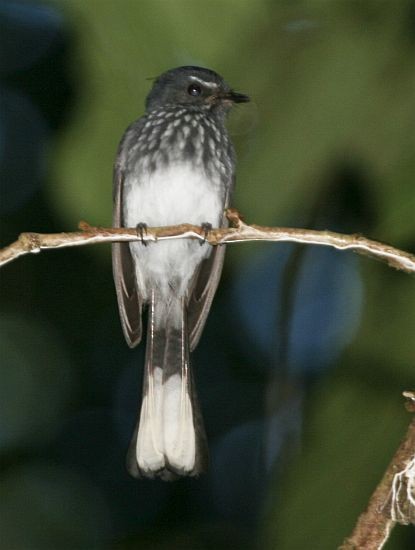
206, 227
141, 231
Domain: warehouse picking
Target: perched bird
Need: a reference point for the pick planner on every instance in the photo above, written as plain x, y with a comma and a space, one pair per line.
175, 164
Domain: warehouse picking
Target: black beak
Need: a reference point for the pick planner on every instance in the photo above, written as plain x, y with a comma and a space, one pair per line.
236, 97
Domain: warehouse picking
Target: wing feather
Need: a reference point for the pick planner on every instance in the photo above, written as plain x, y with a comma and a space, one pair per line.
128, 295
204, 289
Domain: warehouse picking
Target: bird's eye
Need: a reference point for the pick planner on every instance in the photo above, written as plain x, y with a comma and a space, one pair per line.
194, 90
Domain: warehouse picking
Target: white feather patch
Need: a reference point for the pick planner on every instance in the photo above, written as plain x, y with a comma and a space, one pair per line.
150, 452
179, 431
166, 430
177, 194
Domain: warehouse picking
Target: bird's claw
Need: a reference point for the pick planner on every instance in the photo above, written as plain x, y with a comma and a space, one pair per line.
206, 226
141, 230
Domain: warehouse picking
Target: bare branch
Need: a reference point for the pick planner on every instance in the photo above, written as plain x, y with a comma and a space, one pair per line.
387, 505
29, 243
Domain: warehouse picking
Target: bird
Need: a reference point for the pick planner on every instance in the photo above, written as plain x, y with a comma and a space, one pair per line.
174, 164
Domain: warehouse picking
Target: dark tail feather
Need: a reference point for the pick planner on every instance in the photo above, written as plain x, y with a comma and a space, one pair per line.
169, 439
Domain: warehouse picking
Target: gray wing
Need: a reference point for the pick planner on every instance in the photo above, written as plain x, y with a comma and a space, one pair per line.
128, 295
205, 288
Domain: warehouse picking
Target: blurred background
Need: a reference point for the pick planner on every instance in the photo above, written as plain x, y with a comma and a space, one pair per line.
307, 350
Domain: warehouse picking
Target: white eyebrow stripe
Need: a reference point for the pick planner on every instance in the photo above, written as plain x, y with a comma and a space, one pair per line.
215, 84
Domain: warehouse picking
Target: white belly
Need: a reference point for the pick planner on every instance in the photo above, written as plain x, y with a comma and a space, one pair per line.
175, 195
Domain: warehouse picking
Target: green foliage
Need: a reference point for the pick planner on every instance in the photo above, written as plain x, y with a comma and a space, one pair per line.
47, 506
352, 432
35, 382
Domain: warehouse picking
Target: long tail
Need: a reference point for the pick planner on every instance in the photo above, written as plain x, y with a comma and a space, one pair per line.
169, 440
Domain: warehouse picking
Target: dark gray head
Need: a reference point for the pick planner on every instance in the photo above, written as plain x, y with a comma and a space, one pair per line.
193, 86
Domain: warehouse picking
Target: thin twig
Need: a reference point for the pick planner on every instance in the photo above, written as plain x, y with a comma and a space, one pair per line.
374, 526
31, 243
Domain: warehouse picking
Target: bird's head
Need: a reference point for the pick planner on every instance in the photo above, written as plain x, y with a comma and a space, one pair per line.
193, 86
